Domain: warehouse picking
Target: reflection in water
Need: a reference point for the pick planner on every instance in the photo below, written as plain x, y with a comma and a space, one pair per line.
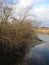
39, 55
44, 37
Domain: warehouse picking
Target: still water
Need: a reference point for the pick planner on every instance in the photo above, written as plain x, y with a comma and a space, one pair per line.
39, 55
44, 37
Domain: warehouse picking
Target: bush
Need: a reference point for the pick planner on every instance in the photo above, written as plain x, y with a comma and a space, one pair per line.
14, 41
10, 54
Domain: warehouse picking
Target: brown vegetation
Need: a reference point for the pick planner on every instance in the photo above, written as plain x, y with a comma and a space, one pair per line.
41, 30
15, 39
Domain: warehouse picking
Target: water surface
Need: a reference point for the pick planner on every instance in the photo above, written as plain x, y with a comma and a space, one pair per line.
44, 37
39, 55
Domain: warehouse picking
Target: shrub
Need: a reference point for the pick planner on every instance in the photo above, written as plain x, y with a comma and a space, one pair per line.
14, 41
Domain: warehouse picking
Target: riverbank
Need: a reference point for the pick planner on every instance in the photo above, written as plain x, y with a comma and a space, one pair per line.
41, 30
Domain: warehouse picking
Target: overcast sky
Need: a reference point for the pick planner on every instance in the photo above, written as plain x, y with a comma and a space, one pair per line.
40, 9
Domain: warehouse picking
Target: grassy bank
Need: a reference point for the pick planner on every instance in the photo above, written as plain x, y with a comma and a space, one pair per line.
41, 30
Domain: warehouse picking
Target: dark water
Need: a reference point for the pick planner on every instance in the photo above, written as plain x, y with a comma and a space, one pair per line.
39, 55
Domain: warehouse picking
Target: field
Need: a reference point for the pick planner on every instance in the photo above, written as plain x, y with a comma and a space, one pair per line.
41, 30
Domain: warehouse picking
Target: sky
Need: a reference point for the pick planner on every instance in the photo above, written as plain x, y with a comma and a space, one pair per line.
40, 8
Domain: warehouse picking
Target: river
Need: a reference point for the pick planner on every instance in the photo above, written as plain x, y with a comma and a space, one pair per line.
44, 37
39, 55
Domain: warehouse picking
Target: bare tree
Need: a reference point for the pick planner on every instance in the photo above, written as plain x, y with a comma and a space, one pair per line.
4, 8
4, 14
24, 14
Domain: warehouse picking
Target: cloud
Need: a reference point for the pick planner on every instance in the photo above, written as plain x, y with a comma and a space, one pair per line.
25, 3
38, 1
42, 12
